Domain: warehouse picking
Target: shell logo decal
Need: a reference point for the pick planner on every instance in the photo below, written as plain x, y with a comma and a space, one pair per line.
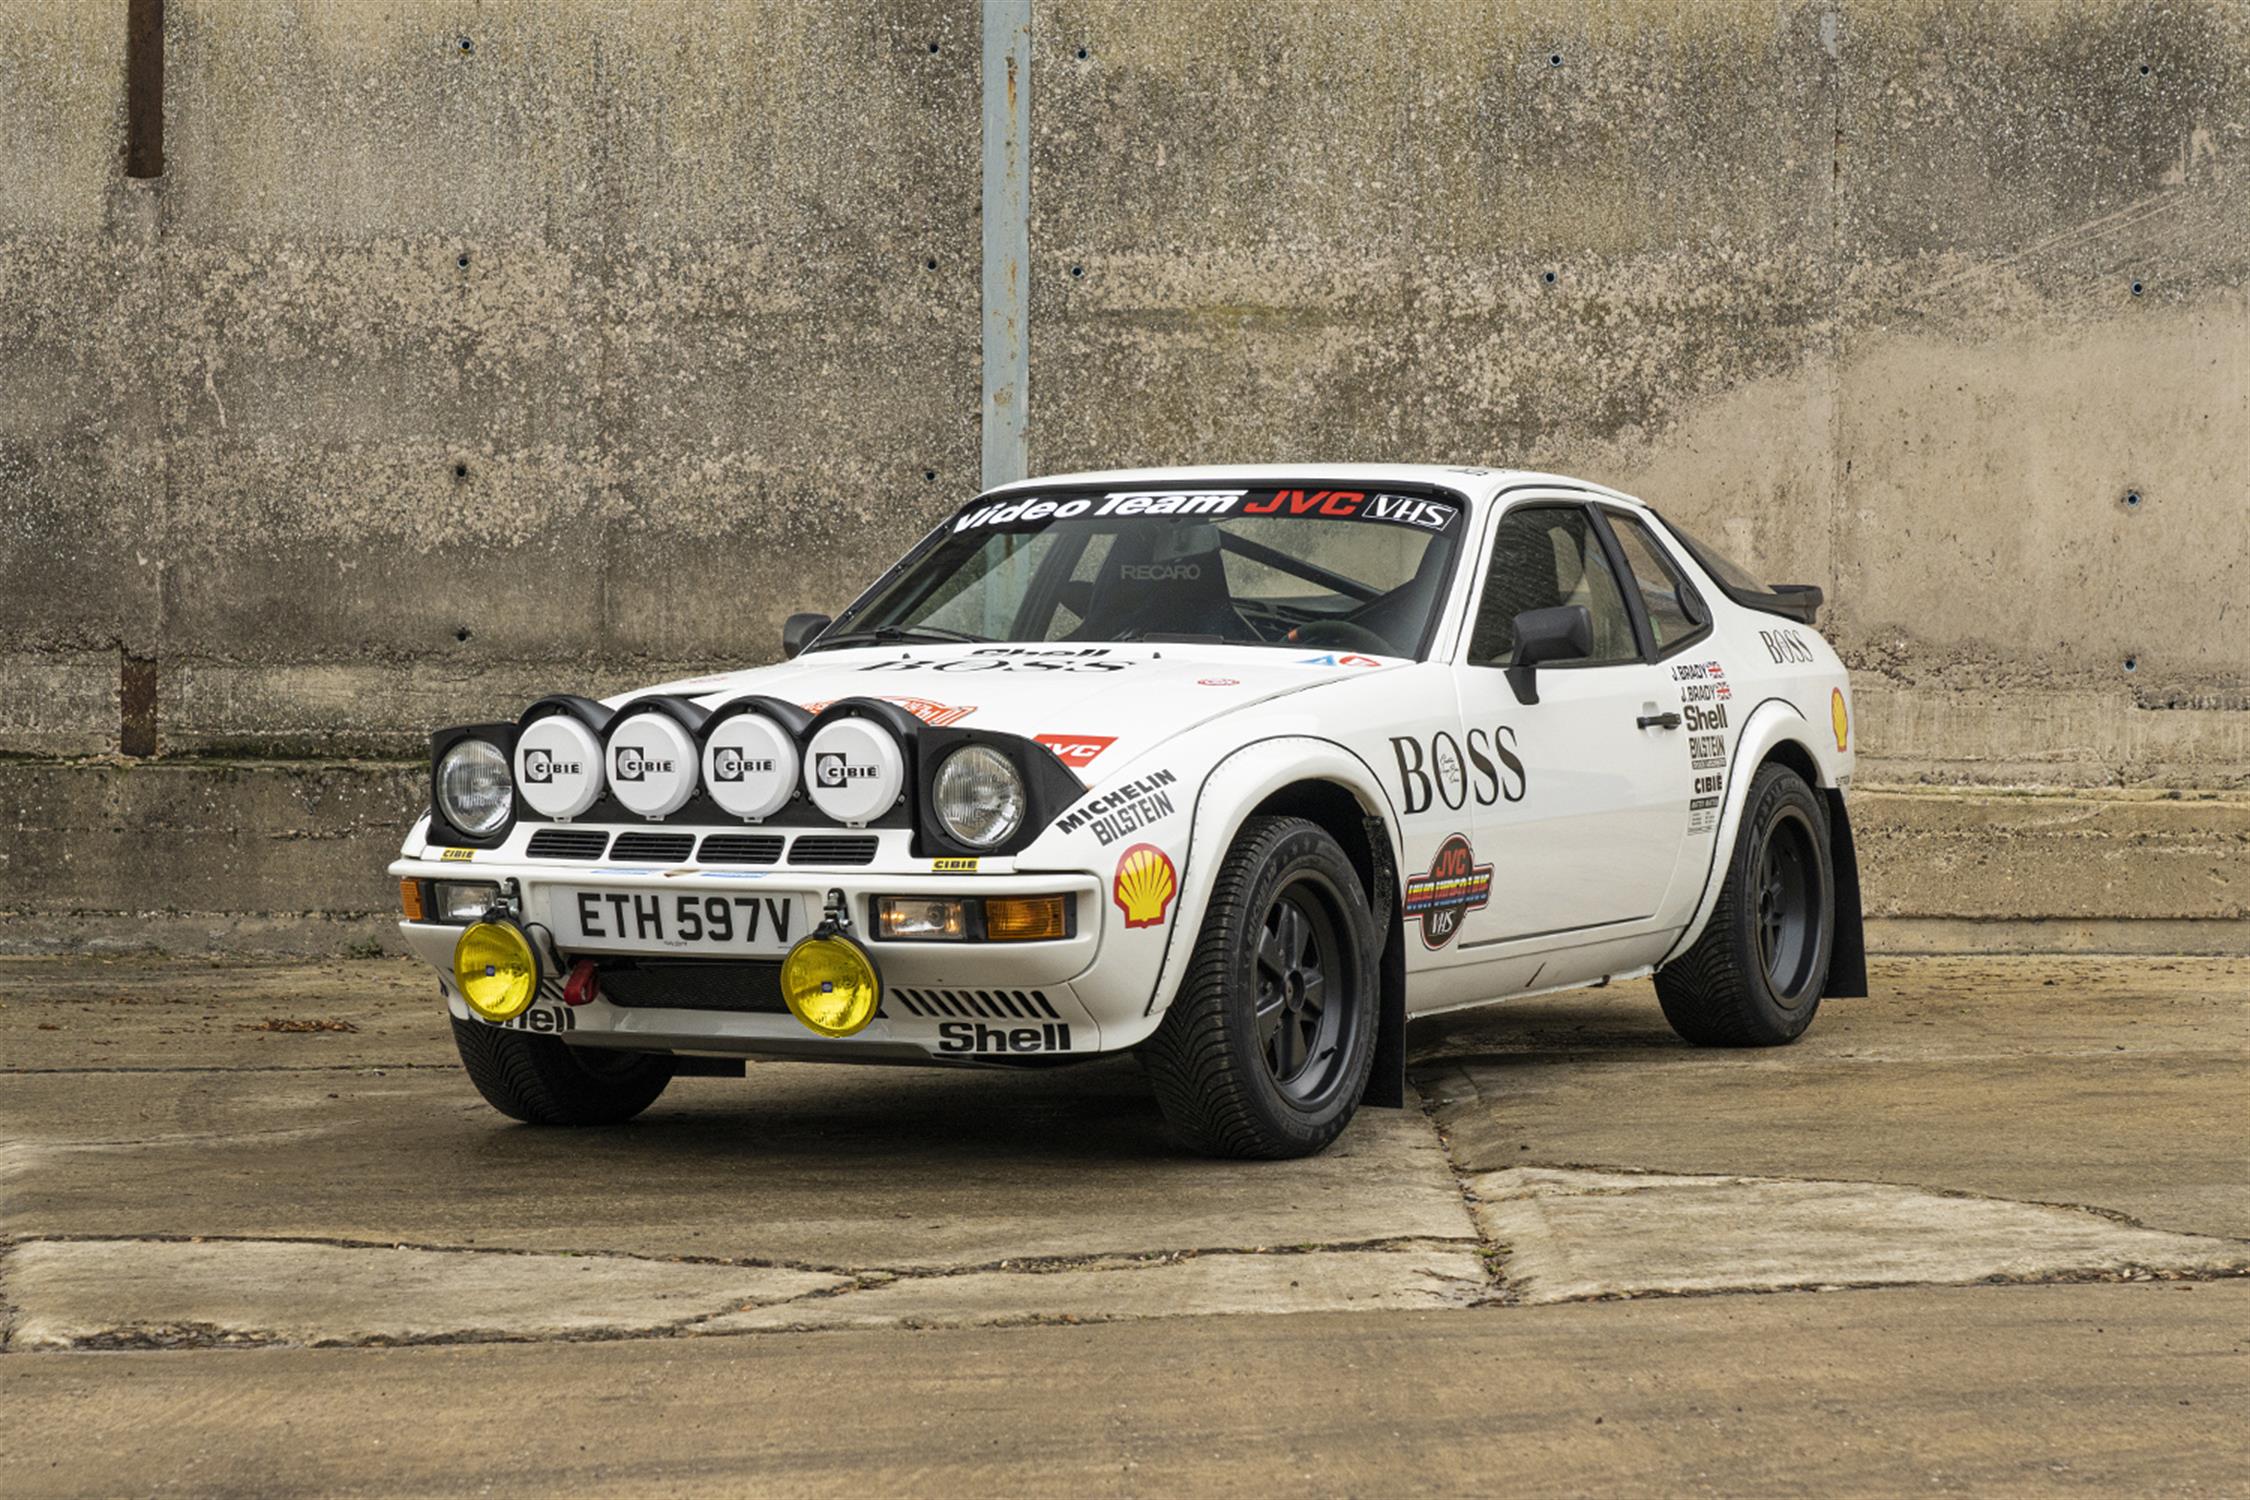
1839, 719
1145, 885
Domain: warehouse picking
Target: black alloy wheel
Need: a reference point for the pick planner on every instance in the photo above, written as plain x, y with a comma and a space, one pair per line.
1269, 1043
1302, 1036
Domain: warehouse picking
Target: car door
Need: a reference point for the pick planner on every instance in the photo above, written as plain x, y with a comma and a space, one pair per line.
1579, 801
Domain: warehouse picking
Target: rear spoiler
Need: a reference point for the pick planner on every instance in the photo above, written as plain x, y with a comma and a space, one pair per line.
1795, 601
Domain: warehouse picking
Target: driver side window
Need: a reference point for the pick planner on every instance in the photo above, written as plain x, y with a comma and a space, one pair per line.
1544, 556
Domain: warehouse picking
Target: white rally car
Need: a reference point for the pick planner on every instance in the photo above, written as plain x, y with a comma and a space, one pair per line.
1235, 767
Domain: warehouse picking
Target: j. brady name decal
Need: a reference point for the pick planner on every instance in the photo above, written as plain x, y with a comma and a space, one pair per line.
1123, 808
975, 1036
1436, 774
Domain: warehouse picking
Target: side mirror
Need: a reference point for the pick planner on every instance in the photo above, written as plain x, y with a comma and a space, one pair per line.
800, 631
1564, 633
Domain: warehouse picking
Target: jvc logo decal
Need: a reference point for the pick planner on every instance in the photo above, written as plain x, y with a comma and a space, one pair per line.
540, 767
1455, 886
975, 1036
832, 768
635, 764
1428, 776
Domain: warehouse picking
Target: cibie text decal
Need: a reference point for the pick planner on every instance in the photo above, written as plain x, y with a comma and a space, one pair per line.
1455, 886
1144, 885
1122, 809
1123, 503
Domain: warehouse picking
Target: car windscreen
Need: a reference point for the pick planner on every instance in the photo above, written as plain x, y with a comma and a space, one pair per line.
1350, 569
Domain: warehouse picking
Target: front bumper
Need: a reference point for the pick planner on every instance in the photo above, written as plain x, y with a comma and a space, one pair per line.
958, 1002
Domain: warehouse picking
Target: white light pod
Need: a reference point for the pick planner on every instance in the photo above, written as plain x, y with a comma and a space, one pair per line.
558, 766
854, 770
750, 766
652, 764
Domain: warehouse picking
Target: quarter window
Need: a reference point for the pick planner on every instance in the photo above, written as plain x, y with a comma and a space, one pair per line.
1544, 556
1674, 611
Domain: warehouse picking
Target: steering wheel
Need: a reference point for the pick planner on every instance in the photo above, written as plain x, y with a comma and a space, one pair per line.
1342, 634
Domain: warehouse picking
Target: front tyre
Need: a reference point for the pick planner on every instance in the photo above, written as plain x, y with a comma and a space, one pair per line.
1753, 979
1268, 1046
541, 1081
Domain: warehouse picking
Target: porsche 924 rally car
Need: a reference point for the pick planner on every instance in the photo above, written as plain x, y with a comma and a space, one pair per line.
1238, 768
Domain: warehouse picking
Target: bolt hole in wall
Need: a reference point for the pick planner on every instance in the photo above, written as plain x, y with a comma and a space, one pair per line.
1548, 277
2132, 664
460, 471
2138, 288
929, 476
461, 633
2132, 499
466, 46
1554, 59
1083, 54
462, 260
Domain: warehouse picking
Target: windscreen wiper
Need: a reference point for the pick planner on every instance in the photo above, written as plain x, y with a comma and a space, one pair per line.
885, 634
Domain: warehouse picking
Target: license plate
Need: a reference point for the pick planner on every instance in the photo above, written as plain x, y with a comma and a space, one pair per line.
764, 922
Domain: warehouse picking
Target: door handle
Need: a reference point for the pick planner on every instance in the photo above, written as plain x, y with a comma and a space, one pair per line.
1658, 721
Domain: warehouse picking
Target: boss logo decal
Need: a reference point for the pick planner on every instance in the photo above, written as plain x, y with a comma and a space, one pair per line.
1429, 776
1787, 647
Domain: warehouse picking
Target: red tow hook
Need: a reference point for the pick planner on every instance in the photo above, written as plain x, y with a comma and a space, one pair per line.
584, 983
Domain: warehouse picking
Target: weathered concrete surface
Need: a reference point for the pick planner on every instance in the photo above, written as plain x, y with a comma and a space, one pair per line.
174, 1107
2094, 1390
1571, 1234
252, 857
2116, 1084
71, 1293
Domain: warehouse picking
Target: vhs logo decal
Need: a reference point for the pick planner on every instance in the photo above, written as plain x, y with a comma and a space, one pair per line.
1455, 886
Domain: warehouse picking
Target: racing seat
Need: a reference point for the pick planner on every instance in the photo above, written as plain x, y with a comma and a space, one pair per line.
1171, 581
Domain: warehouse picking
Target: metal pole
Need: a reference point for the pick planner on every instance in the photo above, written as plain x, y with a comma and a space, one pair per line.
1007, 236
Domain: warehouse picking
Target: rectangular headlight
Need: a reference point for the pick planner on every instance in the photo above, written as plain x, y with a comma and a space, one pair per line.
921, 919
460, 901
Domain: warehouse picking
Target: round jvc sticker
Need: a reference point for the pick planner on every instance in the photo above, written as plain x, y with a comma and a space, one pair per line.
652, 764
750, 766
558, 766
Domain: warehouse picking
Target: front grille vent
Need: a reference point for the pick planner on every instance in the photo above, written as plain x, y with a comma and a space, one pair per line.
740, 849
830, 849
664, 848
987, 1005
567, 843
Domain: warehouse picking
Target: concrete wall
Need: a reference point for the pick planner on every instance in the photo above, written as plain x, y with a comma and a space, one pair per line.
1897, 296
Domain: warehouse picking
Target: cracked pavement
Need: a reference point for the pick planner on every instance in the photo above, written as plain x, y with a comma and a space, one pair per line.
1988, 1229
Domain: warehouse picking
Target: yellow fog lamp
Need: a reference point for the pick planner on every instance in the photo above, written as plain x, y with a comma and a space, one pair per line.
496, 970
828, 980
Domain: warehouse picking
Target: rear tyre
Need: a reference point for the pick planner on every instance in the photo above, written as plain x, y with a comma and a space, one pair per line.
541, 1081
1268, 1046
1753, 979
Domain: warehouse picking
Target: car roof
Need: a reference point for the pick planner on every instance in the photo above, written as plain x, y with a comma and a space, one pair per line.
1479, 483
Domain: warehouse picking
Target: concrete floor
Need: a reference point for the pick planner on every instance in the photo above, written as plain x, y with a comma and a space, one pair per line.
261, 1236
